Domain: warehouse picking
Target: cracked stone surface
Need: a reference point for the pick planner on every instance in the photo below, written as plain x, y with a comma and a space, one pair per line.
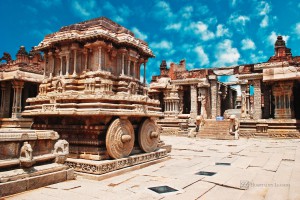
259, 169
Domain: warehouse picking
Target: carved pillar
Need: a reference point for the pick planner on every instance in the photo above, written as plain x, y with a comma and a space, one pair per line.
214, 95
99, 58
244, 108
134, 69
144, 73
61, 66
193, 112
67, 63
257, 100
50, 63
202, 98
86, 57
3, 99
17, 99
128, 68
46, 64
75, 62
123, 63
180, 94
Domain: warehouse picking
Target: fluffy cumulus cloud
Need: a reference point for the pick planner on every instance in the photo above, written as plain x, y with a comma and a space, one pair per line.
297, 29
247, 44
187, 12
225, 54
273, 37
200, 28
263, 9
139, 34
238, 20
222, 31
163, 45
174, 26
163, 10
202, 56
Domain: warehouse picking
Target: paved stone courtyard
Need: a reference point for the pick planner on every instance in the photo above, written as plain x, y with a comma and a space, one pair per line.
245, 169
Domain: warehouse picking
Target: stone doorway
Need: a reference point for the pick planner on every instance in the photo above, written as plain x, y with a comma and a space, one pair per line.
186, 100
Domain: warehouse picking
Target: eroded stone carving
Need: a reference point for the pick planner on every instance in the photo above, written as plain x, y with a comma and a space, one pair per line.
26, 158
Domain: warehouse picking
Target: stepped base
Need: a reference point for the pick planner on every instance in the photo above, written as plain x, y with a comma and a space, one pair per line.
106, 166
271, 128
20, 180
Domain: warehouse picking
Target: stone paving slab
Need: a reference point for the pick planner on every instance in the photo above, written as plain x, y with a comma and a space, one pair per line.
260, 163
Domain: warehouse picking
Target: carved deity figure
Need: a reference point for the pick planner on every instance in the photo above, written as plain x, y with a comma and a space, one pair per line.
199, 123
234, 126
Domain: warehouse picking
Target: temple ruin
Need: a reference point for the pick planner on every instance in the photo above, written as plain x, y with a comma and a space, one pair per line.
270, 110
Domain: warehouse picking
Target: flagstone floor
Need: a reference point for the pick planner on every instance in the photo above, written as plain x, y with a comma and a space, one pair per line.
243, 169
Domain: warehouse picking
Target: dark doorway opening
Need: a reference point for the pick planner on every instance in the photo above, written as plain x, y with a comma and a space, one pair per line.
186, 100
296, 92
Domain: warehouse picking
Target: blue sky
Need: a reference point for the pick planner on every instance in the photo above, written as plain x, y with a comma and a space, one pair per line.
207, 33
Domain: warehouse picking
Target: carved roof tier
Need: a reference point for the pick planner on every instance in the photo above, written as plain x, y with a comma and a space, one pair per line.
99, 28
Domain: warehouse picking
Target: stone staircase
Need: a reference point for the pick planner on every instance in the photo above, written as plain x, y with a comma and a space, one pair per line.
214, 129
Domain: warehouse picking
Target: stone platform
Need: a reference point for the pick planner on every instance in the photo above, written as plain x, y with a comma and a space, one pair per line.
106, 166
20, 180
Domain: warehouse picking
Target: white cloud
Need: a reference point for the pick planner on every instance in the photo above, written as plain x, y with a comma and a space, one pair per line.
175, 26
239, 20
163, 10
201, 29
221, 31
225, 54
233, 3
139, 34
85, 9
187, 11
259, 57
273, 37
164, 44
202, 56
297, 29
247, 44
48, 3
265, 22
263, 8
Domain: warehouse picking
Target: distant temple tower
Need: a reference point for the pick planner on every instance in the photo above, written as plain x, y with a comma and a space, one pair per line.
282, 53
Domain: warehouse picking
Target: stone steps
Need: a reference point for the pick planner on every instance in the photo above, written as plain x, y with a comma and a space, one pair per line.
213, 129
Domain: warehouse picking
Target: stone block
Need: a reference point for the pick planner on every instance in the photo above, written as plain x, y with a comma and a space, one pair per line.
12, 187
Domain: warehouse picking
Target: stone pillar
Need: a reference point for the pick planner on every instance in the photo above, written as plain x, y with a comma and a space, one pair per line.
202, 98
99, 58
244, 109
134, 69
50, 63
17, 99
257, 114
128, 68
193, 112
61, 65
75, 62
67, 63
214, 95
123, 63
86, 57
144, 73
3, 100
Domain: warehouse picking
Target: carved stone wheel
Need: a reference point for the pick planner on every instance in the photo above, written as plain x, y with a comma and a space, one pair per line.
119, 138
148, 136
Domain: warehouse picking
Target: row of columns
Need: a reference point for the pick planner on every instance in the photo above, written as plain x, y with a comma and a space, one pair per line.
99, 59
171, 106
